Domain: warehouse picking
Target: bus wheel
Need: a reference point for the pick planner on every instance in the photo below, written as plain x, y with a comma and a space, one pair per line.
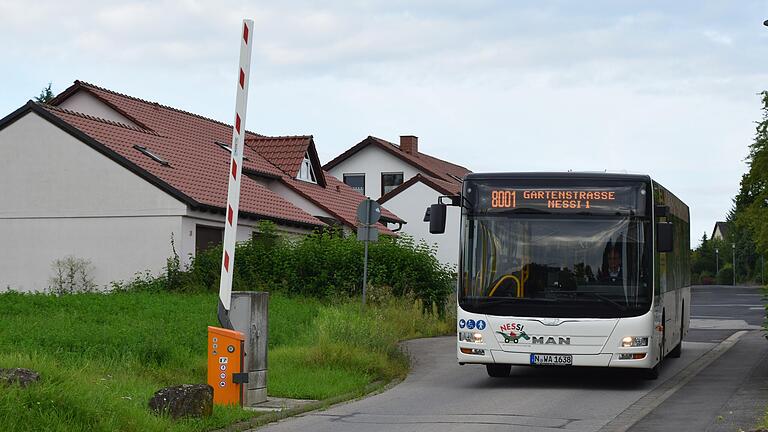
498, 370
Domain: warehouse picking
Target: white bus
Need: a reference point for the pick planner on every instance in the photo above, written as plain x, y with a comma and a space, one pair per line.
570, 269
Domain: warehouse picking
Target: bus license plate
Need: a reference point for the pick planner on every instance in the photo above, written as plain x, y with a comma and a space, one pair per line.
552, 359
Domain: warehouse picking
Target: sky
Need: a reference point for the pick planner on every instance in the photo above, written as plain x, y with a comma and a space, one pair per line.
657, 87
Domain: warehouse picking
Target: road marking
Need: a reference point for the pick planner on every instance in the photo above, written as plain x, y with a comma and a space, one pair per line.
643, 406
722, 324
749, 295
727, 305
757, 308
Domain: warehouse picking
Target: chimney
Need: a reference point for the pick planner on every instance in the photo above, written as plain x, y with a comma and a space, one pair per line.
409, 144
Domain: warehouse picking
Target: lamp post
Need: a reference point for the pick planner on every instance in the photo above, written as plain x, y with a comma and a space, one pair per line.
733, 248
717, 261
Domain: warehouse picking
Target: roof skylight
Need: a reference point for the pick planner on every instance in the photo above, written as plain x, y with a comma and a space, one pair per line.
228, 148
151, 155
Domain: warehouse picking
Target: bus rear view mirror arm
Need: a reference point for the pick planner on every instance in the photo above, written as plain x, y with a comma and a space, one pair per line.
664, 236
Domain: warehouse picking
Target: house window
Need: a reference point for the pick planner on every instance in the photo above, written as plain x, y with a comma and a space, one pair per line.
207, 237
390, 181
306, 172
356, 182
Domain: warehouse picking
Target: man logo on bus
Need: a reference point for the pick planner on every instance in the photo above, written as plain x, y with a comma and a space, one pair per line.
515, 332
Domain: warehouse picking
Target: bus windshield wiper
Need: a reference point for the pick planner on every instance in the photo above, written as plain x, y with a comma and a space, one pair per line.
504, 299
524, 210
597, 296
604, 299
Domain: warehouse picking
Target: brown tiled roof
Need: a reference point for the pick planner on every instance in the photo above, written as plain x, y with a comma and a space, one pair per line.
337, 199
197, 168
198, 171
430, 165
441, 186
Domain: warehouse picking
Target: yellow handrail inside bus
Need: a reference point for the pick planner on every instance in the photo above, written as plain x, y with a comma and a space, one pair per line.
505, 277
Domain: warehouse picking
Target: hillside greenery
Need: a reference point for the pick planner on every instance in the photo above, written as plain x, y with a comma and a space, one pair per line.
102, 356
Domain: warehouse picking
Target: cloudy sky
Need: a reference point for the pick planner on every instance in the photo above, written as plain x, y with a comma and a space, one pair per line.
658, 87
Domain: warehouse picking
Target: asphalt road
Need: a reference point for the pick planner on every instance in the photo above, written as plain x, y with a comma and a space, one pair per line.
441, 396
732, 392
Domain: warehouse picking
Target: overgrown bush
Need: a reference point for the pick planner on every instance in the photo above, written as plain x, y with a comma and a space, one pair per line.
707, 278
326, 264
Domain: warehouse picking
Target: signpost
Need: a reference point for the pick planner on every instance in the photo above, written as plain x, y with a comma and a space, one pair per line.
368, 213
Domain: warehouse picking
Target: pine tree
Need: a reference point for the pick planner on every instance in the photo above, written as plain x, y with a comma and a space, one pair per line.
45, 95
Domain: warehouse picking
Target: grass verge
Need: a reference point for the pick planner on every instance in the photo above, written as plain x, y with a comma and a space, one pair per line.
102, 356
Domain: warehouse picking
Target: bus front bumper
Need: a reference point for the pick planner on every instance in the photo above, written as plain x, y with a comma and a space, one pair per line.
524, 358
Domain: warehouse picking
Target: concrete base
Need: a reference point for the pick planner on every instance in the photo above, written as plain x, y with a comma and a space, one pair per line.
273, 404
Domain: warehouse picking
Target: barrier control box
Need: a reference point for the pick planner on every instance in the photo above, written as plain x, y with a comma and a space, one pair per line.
225, 365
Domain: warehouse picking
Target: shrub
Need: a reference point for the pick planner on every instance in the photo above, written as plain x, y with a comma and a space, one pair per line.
71, 275
725, 275
325, 264
695, 279
707, 278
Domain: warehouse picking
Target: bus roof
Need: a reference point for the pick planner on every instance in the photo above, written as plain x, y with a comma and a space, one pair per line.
558, 176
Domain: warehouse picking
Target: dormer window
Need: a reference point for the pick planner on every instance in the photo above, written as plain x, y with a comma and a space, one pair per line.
306, 172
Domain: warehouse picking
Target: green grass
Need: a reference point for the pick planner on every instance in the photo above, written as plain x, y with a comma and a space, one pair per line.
102, 357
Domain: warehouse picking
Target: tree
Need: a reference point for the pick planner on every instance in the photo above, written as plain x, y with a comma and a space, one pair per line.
45, 95
749, 216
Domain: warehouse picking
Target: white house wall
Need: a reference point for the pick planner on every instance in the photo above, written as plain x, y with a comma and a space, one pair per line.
185, 245
85, 102
60, 197
294, 198
411, 204
372, 161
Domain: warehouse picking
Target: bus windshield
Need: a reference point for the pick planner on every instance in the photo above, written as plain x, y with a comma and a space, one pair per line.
555, 265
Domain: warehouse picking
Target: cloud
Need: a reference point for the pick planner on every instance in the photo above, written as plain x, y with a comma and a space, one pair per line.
666, 88
718, 38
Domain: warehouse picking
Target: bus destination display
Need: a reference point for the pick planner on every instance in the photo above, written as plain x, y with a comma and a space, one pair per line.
618, 199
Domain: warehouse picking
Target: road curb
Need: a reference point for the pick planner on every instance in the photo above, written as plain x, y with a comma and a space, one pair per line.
647, 403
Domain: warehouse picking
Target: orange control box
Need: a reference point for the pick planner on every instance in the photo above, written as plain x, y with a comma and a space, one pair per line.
225, 365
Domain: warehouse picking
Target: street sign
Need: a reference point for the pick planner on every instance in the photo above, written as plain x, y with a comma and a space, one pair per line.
368, 233
368, 212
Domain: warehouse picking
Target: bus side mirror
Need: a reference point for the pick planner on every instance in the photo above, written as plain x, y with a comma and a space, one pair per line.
437, 218
664, 237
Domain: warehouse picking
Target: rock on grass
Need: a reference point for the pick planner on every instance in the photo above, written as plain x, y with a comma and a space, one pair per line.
186, 400
20, 376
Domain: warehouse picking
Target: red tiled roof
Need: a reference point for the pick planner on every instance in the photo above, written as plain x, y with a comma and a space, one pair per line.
337, 198
197, 167
284, 152
198, 170
441, 186
433, 167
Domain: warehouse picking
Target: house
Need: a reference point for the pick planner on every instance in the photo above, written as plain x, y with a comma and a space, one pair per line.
407, 181
720, 231
112, 179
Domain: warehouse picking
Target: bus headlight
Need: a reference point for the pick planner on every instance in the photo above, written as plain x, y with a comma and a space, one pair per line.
634, 341
474, 337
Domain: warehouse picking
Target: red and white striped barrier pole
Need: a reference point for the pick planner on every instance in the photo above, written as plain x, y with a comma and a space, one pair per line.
236, 167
